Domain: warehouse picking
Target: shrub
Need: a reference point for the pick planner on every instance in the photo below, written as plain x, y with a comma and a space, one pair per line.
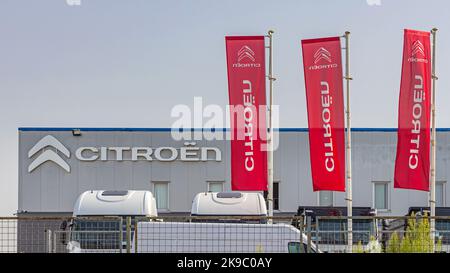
416, 239
372, 247
393, 244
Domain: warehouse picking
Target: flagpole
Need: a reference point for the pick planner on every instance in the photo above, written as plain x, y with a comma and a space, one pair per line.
348, 147
270, 143
432, 194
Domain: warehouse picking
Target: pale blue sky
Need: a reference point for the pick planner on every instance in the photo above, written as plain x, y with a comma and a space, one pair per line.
111, 63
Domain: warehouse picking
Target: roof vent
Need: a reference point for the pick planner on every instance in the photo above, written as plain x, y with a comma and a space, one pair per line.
229, 195
114, 193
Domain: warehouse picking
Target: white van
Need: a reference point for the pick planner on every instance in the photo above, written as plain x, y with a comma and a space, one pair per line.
91, 230
168, 237
226, 235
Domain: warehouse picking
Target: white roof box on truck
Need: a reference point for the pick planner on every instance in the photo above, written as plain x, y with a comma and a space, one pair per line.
119, 203
229, 203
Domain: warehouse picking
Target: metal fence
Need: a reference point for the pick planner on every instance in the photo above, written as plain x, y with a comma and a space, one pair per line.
220, 235
26, 234
231, 234
47, 234
370, 234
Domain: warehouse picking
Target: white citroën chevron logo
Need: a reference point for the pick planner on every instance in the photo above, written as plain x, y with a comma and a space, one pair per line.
246, 52
49, 154
417, 47
322, 54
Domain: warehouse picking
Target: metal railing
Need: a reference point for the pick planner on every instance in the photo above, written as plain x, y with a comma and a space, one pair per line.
224, 234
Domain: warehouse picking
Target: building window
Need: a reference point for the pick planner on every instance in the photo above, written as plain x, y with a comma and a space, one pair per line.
276, 195
326, 198
215, 186
381, 195
161, 193
440, 193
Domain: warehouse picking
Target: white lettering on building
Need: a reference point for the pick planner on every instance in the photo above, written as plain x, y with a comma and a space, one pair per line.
189, 152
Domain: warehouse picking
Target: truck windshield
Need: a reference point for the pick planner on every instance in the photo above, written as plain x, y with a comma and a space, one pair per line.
97, 234
334, 231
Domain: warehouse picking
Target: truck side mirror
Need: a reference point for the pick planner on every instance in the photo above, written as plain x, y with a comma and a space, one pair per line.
63, 228
63, 225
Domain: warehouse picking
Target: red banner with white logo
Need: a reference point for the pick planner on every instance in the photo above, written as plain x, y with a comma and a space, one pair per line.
412, 164
325, 102
247, 92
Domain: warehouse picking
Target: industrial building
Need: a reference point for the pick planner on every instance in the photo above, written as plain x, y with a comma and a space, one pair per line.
57, 164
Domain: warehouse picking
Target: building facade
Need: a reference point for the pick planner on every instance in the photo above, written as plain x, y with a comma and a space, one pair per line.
57, 164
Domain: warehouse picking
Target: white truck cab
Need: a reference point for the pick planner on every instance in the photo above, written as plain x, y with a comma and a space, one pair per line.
115, 203
92, 231
89, 235
229, 204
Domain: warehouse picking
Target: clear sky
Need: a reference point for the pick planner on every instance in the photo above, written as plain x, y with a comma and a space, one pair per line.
111, 63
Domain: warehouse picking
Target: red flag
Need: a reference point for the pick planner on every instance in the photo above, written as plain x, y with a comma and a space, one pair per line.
247, 91
412, 164
325, 102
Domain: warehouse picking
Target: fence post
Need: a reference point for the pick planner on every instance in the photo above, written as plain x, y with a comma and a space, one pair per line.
317, 237
120, 234
66, 240
136, 221
48, 238
308, 231
128, 234
300, 227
